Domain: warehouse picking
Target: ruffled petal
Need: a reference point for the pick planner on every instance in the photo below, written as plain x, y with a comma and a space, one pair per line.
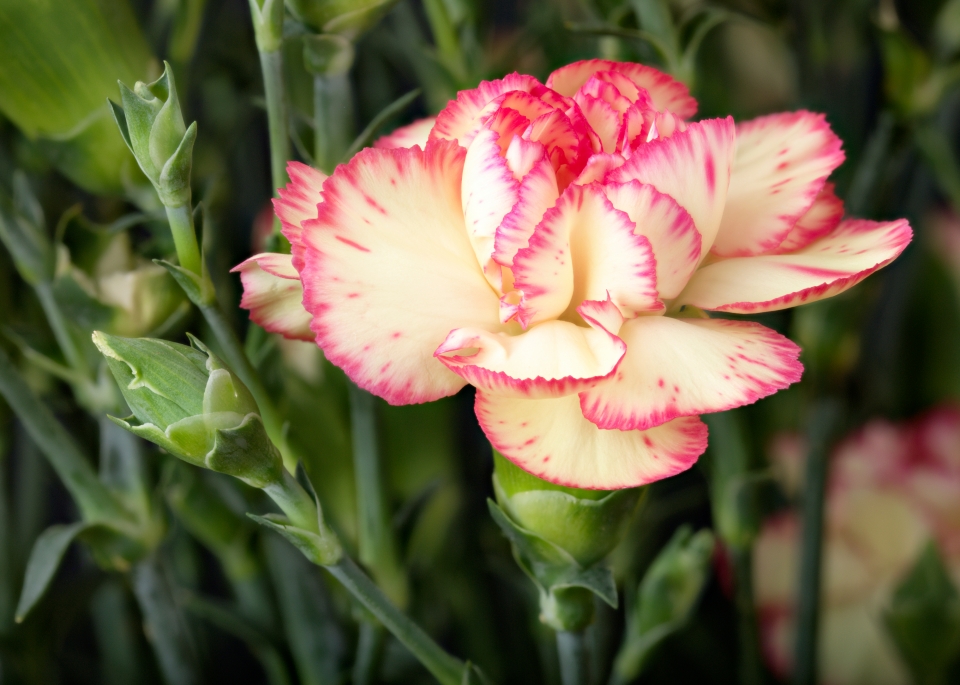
538, 193
297, 203
584, 249
390, 271
461, 117
819, 221
603, 119
489, 193
551, 439
273, 294
692, 167
409, 135
781, 165
668, 227
666, 92
684, 367
829, 266
551, 359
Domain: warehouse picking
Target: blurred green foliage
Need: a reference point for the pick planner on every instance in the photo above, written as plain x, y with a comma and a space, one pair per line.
228, 602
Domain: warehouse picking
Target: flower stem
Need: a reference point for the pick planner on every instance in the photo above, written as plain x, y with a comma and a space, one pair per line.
751, 662
185, 238
271, 63
448, 670
332, 118
378, 546
573, 655
824, 421
369, 652
94, 500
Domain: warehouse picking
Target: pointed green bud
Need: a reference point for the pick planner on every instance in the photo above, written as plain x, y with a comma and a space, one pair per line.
151, 123
349, 18
587, 524
24, 234
188, 402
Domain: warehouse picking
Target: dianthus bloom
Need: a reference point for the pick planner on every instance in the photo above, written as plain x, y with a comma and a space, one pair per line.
892, 488
555, 246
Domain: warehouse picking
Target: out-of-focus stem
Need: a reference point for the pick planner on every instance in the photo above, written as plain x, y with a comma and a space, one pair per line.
573, 656
825, 418
271, 63
369, 652
185, 238
378, 545
751, 661
332, 117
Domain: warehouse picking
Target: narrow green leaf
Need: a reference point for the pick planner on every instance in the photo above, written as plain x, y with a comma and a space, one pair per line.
45, 558
378, 121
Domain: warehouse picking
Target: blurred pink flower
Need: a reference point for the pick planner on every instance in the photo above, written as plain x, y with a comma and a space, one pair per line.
892, 487
554, 245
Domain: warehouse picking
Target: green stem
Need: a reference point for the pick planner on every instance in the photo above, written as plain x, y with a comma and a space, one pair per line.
271, 63
447, 669
294, 501
870, 165
93, 498
446, 38
332, 118
238, 361
751, 661
185, 238
61, 331
825, 419
369, 652
378, 545
573, 655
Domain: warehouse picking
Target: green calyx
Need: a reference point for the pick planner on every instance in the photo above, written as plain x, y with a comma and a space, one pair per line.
185, 400
350, 18
587, 524
560, 536
152, 126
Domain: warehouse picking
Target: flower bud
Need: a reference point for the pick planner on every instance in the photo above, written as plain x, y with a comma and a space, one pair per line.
151, 124
350, 18
587, 524
58, 63
559, 535
23, 232
186, 401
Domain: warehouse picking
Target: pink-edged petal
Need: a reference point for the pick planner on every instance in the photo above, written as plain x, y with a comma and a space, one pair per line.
273, 294
692, 167
551, 439
409, 135
824, 268
666, 92
597, 168
298, 202
462, 116
489, 193
628, 89
390, 271
551, 359
538, 193
584, 249
684, 367
668, 227
603, 119
819, 221
781, 165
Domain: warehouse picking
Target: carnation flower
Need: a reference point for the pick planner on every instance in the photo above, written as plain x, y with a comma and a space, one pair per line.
891, 489
556, 245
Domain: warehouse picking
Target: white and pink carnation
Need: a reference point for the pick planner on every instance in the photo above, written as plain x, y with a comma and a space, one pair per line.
891, 489
555, 245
